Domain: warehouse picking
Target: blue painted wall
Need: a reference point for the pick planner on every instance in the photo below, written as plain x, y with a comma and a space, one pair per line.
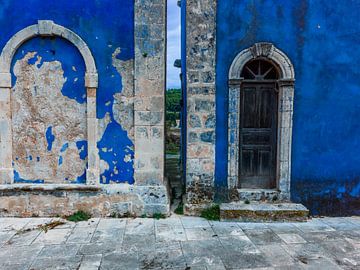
321, 38
104, 26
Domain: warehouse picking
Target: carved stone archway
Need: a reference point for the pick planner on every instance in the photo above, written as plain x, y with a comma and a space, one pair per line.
285, 68
45, 28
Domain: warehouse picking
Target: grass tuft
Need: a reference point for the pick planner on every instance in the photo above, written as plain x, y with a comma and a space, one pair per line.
159, 216
211, 213
79, 216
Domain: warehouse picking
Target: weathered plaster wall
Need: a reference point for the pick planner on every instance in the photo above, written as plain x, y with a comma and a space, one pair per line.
49, 111
321, 40
113, 51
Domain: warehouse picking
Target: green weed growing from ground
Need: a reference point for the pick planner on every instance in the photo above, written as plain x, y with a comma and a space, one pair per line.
211, 213
79, 216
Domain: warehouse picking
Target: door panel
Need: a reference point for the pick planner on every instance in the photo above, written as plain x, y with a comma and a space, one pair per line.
258, 126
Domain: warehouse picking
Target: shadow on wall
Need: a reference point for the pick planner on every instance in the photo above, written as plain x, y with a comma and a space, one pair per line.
329, 198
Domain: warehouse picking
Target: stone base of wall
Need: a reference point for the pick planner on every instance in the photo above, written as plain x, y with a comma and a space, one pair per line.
23, 200
195, 209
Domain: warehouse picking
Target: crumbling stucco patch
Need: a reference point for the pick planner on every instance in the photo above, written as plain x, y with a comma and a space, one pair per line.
49, 129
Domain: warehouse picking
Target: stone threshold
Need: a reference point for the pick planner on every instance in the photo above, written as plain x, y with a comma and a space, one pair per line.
252, 211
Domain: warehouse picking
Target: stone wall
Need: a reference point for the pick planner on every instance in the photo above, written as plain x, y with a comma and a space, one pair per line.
23, 200
200, 71
83, 137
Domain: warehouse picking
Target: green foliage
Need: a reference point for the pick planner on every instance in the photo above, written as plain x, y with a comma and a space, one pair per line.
173, 98
211, 213
159, 216
172, 148
180, 209
172, 106
79, 216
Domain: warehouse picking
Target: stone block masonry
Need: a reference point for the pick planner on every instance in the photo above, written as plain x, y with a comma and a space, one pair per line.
23, 200
200, 65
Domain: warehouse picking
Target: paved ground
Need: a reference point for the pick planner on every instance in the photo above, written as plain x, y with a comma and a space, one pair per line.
180, 243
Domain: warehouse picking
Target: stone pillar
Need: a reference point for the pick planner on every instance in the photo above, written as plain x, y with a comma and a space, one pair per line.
149, 101
200, 69
93, 170
285, 112
233, 137
6, 170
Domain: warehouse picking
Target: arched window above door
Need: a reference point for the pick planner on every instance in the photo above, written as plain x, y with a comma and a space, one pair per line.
259, 70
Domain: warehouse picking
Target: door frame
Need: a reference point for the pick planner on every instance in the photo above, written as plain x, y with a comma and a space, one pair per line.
285, 83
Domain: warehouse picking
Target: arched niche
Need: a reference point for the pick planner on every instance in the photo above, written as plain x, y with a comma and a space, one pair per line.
46, 28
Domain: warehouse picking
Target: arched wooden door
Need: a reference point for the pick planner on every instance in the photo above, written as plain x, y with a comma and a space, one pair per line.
258, 125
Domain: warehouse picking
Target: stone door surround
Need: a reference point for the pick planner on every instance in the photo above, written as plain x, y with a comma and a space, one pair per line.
266, 51
46, 28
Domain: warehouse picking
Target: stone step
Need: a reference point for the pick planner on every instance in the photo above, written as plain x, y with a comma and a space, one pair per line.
263, 212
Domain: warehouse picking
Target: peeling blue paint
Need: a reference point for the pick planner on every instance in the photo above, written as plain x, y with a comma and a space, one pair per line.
58, 49
64, 147
104, 26
49, 138
82, 147
116, 150
80, 179
18, 179
60, 161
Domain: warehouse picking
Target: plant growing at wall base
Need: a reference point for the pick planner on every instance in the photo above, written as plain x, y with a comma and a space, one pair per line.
159, 216
79, 216
211, 213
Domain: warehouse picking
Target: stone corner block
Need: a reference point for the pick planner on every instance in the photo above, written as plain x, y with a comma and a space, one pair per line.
91, 80
5, 80
45, 27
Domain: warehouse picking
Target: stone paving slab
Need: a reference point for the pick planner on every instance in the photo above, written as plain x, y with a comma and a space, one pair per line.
180, 243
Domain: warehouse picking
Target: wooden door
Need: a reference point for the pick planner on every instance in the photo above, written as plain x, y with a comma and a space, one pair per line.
258, 128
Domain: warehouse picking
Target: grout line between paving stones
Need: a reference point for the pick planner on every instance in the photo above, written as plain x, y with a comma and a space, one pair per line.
92, 236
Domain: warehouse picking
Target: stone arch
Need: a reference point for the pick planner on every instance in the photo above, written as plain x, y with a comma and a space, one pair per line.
46, 28
268, 51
